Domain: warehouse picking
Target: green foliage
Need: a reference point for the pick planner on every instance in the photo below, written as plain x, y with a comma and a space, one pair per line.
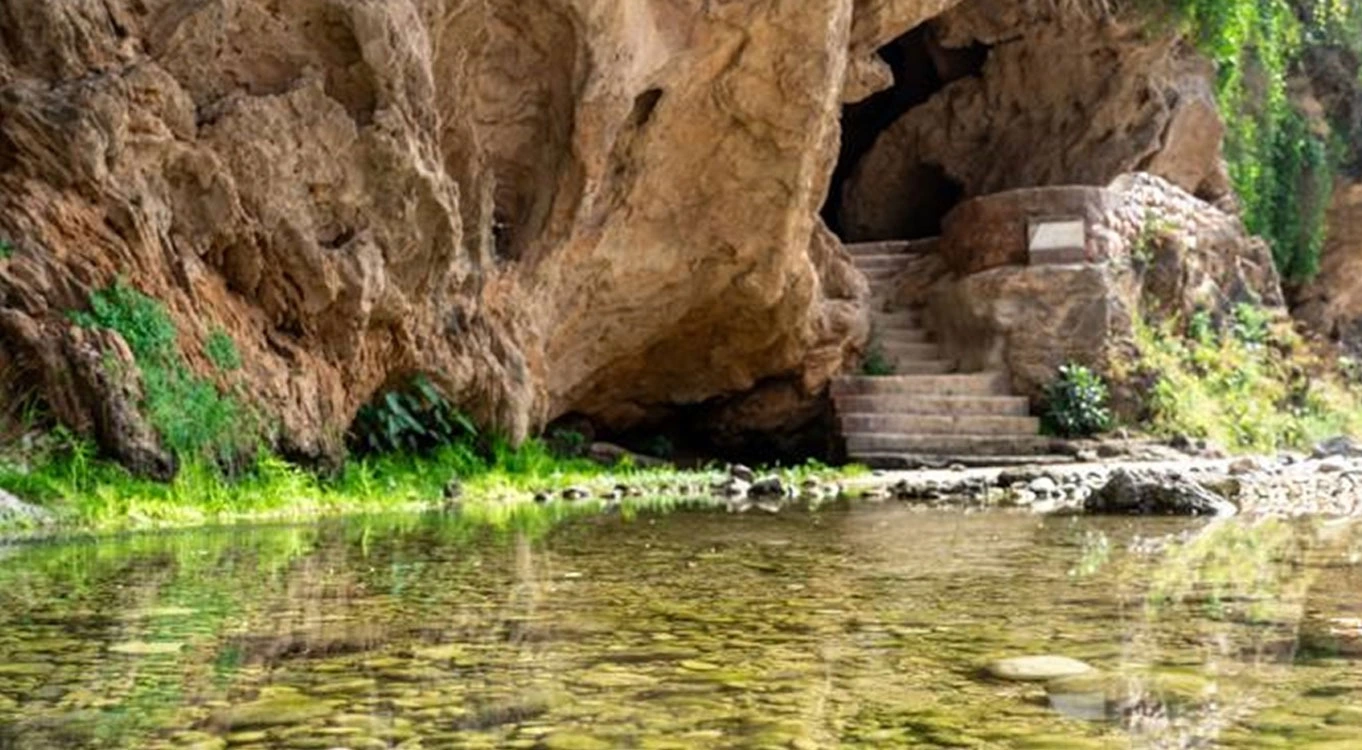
1281, 169
222, 352
1201, 327
417, 419
6, 249
569, 443
1152, 231
1076, 403
1254, 387
1251, 324
876, 362
142, 322
193, 418
66, 476
659, 446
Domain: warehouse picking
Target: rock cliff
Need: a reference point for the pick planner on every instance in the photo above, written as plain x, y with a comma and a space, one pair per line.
547, 206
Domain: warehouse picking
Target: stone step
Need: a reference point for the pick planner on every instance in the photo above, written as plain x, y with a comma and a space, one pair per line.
909, 352
907, 335
893, 247
908, 366
939, 424
880, 276
1059, 256
887, 321
1014, 406
971, 384
919, 461
883, 262
871, 443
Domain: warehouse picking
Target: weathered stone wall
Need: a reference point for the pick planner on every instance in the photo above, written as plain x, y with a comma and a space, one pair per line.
1152, 247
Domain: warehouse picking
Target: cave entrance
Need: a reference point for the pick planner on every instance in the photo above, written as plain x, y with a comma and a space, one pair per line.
921, 67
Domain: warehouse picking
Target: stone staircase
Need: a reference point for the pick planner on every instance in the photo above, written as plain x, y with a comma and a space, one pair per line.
927, 413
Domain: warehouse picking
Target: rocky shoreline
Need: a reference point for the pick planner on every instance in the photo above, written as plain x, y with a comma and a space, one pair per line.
1328, 483
1151, 480
1140, 482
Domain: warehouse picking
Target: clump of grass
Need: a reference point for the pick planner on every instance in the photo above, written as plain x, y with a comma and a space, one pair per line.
195, 420
1253, 385
222, 352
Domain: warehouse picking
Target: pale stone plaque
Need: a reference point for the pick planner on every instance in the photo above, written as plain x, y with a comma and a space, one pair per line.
1057, 241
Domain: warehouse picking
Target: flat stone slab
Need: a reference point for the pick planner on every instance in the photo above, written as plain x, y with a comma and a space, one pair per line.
1057, 234
1037, 668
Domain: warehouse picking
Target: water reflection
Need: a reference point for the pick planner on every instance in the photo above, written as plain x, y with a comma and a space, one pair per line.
842, 628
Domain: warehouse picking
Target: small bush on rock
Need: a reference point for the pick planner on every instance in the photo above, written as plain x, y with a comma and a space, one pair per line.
876, 363
1076, 403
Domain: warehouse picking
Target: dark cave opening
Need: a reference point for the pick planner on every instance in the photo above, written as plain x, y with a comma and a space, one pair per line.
922, 67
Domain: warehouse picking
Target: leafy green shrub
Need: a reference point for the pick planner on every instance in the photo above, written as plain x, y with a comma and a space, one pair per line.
417, 419
567, 442
659, 446
876, 362
1076, 403
1251, 323
1201, 327
6, 249
193, 418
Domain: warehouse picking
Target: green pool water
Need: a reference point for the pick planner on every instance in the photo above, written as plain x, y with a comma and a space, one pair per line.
865, 627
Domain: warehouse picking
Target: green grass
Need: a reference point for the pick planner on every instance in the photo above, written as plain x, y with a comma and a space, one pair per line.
91, 494
194, 418
1254, 386
6, 249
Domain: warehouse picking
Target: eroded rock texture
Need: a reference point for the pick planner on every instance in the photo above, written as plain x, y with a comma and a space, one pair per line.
546, 205
1066, 96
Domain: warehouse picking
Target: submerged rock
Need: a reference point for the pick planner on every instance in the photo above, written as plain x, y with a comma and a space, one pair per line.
146, 648
1097, 696
1037, 668
1133, 493
275, 707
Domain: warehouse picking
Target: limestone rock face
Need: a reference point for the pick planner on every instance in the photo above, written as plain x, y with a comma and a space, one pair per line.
1065, 98
547, 206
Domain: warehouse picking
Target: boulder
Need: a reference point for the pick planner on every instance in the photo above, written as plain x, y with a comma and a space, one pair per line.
1036, 668
1130, 492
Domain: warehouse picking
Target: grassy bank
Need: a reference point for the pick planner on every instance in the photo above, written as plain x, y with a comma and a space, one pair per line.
86, 493
1248, 382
